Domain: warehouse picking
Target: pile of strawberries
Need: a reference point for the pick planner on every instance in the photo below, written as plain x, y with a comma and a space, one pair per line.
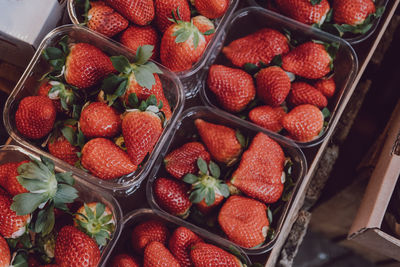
42, 221
152, 245
179, 30
276, 82
219, 179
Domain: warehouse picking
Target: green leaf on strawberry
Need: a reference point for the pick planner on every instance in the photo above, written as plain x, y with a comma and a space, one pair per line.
122, 64
315, 2
202, 165
20, 260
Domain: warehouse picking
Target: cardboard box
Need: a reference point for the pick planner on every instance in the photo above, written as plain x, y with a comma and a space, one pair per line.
367, 225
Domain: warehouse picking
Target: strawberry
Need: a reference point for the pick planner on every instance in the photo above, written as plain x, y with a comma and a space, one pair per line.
221, 141
303, 93
61, 148
157, 255
12, 184
172, 196
273, 85
352, 12
124, 260
140, 12
309, 60
262, 45
304, 11
147, 232
244, 221
136, 36
326, 86
211, 9
182, 45
268, 117
74, 248
304, 122
180, 244
260, 170
205, 26
5, 170
203, 255
62, 97
44, 91
105, 20
5, 255
234, 88
164, 10
106, 160
183, 159
11, 224
35, 116
99, 120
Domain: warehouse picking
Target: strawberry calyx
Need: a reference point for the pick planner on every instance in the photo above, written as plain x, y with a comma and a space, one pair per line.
151, 105
253, 69
186, 30
83, 6
66, 94
332, 50
315, 2
57, 58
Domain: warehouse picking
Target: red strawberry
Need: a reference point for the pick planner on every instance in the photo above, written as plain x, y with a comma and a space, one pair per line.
273, 85
234, 88
183, 159
44, 91
74, 248
11, 224
221, 141
260, 170
5, 255
164, 9
124, 260
12, 184
140, 12
180, 244
182, 45
205, 26
262, 45
147, 232
35, 116
304, 10
61, 148
99, 120
304, 122
309, 60
211, 9
326, 86
172, 196
136, 36
303, 93
352, 12
105, 20
105, 160
268, 117
204, 255
244, 221
5, 170
157, 255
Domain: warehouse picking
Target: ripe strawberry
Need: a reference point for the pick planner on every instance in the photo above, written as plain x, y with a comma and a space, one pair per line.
164, 9
44, 91
99, 120
273, 85
304, 10
304, 122
326, 86
309, 60
11, 224
35, 116
12, 185
234, 88
105, 20
172, 196
182, 45
260, 170
5, 170
105, 160
203, 255
61, 148
244, 221
352, 12
262, 45
124, 260
5, 255
205, 26
157, 255
303, 93
182, 160
140, 12
180, 244
136, 36
147, 232
74, 248
211, 9
221, 141
268, 117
